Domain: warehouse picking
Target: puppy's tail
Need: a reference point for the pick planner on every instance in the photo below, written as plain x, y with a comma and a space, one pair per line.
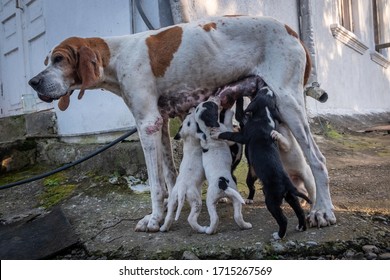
223, 184
302, 195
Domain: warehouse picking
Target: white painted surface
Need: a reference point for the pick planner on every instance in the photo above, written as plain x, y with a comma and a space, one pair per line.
355, 83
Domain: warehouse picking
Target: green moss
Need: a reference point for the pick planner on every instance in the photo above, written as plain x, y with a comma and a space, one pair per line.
56, 190
331, 132
53, 195
23, 174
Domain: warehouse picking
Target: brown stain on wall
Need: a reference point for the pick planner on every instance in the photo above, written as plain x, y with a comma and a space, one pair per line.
162, 47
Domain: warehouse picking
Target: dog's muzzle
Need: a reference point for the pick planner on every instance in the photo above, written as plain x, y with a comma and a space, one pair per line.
36, 84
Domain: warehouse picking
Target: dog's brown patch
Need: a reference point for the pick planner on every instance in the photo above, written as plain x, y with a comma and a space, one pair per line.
291, 32
71, 46
162, 47
207, 27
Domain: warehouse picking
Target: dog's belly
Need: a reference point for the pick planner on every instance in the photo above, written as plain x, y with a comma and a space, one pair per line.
172, 104
175, 104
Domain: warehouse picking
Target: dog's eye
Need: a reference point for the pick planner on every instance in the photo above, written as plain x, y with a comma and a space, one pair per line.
58, 59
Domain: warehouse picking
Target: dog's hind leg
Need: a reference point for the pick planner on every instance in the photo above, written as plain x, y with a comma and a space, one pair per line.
250, 182
322, 210
294, 203
169, 168
277, 212
172, 204
195, 200
211, 202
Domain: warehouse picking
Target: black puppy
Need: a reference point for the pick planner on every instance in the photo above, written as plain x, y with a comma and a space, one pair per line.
264, 158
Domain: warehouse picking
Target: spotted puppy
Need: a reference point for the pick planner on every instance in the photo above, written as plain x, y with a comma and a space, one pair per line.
217, 162
191, 176
264, 158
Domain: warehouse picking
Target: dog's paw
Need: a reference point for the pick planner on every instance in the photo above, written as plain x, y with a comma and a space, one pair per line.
321, 218
275, 135
223, 200
215, 132
249, 201
246, 225
276, 236
300, 228
210, 230
148, 224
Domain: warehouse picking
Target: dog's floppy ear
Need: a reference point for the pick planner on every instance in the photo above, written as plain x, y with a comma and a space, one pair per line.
88, 69
210, 115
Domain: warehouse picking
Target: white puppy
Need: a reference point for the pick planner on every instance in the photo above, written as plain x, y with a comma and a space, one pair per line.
217, 162
191, 176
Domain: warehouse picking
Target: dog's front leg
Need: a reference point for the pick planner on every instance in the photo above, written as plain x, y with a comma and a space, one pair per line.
149, 130
237, 137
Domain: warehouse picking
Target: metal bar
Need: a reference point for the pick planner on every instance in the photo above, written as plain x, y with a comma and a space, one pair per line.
382, 46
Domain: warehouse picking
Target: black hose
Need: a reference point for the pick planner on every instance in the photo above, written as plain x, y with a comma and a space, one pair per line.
69, 165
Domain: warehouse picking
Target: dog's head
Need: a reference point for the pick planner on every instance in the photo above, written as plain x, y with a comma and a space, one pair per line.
207, 115
263, 106
188, 128
76, 63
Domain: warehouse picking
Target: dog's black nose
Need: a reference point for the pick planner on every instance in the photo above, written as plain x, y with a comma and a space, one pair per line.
34, 82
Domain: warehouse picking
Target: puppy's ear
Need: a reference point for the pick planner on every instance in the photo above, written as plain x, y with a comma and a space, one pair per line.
88, 69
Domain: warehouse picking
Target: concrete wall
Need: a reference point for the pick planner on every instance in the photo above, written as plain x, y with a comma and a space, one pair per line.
355, 83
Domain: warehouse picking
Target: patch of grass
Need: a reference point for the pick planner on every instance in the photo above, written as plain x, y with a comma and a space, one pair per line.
56, 190
19, 175
331, 132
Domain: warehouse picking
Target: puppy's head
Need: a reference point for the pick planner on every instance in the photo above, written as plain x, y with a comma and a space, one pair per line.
263, 106
76, 63
188, 127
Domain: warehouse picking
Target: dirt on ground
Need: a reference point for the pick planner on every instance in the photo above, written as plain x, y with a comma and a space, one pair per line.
103, 211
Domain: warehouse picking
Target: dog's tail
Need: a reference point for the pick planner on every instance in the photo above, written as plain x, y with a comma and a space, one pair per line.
301, 195
223, 184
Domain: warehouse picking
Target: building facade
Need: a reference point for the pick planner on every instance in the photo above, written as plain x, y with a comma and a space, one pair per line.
348, 42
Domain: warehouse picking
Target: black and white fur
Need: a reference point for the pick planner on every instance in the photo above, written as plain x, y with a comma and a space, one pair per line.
217, 162
291, 154
264, 157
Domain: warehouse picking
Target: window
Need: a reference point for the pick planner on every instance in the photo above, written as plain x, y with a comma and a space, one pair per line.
347, 29
381, 14
345, 14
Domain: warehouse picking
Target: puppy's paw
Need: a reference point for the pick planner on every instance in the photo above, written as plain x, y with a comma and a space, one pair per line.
249, 201
276, 236
300, 228
246, 225
275, 135
215, 132
223, 200
210, 230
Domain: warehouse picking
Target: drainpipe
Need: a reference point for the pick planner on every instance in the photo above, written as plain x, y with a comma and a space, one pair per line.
306, 31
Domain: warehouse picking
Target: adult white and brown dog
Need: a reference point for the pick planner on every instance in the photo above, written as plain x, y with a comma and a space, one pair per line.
182, 65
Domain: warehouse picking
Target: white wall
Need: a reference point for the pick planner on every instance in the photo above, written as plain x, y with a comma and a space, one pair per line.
98, 110
286, 12
354, 82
